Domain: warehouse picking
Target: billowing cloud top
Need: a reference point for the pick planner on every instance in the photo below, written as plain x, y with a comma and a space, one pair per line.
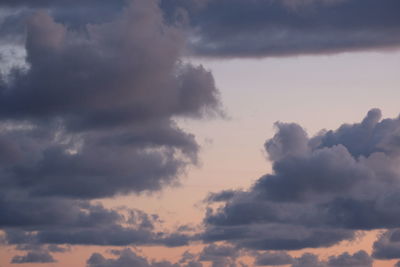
321, 191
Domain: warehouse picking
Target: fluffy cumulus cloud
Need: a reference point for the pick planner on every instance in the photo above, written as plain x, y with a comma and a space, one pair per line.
258, 28
91, 114
322, 190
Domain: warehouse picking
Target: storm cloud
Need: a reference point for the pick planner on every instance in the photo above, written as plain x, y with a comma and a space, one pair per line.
322, 189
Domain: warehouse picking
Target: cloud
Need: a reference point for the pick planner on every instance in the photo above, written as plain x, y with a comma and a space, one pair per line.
309, 260
93, 165
87, 224
92, 114
276, 236
322, 189
43, 2
128, 258
33, 257
262, 28
222, 255
388, 245
219, 256
109, 60
358, 259
54, 161
220, 196
102, 104
52, 211
273, 259
259, 28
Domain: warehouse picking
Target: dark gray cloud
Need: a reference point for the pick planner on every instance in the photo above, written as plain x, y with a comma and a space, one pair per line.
111, 92
225, 256
102, 164
128, 258
240, 28
12, 27
73, 12
273, 259
267, 236
91, 115
308, 260
219, 256
220, 196
84, 224
46, 3
58, 249
34, 257
108, 61
321, 190
358, 259
387, 246
189, 260
42, 212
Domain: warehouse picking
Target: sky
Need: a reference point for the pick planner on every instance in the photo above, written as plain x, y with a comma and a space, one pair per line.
195, 133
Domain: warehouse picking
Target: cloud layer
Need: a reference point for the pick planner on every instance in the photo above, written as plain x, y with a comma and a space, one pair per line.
260, 28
